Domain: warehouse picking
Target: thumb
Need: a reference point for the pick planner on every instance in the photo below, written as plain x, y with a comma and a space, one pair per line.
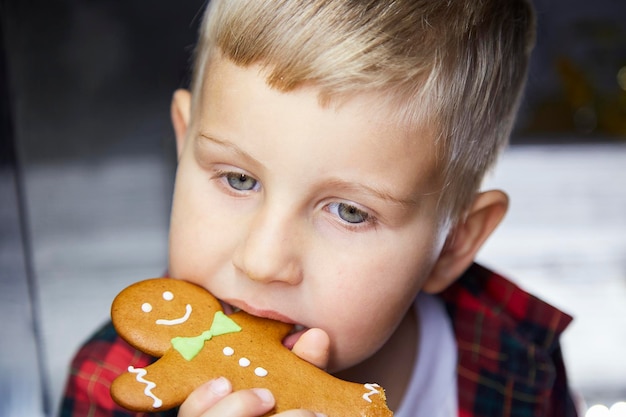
314, 347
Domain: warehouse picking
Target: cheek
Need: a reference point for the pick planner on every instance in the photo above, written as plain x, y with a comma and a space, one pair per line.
362, 333
360, 311
370, 295
198, 239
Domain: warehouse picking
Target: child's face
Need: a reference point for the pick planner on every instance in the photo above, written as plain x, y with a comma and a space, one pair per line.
320, 216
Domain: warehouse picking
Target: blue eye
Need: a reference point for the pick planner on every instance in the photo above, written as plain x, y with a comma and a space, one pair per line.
348, 213
241, 182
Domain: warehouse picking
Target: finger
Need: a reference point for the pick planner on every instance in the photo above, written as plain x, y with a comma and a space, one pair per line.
204, 397
245, 403
314, 347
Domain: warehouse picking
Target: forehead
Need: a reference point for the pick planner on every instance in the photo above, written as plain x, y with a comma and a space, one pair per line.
237, 100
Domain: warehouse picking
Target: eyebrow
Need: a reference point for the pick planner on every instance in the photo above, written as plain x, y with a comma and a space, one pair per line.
229, 146
377, 192
336, 182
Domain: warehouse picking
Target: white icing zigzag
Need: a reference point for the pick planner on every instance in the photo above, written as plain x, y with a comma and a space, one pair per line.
372, 391
149, 385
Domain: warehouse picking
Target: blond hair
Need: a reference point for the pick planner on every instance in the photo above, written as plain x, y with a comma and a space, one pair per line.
457, 65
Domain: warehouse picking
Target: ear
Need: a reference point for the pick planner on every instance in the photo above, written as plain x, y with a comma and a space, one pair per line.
180, 113
466, 238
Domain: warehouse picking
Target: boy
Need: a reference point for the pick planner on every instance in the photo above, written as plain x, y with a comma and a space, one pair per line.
330, 158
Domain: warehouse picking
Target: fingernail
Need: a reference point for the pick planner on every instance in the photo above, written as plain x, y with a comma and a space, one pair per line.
219, 386
321, 415
265, 395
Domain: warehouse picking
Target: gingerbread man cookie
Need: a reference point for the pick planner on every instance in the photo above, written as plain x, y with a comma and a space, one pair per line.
184, 326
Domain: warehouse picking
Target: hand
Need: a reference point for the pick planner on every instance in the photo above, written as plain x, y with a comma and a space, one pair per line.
216, 398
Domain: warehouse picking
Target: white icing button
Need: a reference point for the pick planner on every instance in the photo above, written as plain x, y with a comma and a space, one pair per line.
243, 362
260, 371
228, 351
146, 307
168, 296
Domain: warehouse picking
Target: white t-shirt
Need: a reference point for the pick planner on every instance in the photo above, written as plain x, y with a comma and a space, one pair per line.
432, 391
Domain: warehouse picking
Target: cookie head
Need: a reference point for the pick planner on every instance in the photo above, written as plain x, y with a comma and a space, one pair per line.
148, 314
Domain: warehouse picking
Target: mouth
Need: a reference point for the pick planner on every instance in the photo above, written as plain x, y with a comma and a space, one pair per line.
288, 341
228, 308
294, 335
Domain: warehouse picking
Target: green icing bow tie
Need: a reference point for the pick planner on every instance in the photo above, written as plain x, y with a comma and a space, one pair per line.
189, 347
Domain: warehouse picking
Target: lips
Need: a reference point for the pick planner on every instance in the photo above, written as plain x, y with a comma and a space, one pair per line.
289, 341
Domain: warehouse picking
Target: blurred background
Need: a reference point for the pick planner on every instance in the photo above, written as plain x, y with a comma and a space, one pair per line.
87, 164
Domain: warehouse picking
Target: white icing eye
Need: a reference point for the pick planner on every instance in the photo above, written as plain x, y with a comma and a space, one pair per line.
168, 296
146, 307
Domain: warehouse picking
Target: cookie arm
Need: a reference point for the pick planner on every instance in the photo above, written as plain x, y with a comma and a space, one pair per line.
150, 388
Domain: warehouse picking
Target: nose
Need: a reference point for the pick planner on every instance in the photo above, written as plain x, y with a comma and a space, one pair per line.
270, 250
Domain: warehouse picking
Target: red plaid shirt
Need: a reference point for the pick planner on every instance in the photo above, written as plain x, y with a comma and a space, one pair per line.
510, 362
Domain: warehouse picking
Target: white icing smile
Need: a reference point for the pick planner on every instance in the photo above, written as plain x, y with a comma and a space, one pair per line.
168, 296
179, 320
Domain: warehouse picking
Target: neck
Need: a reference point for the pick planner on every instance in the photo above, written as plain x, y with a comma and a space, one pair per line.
392, 366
